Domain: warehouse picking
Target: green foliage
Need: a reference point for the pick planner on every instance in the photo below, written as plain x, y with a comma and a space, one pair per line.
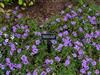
23, 3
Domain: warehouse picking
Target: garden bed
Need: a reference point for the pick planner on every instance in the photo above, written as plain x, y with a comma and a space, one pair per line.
74, 51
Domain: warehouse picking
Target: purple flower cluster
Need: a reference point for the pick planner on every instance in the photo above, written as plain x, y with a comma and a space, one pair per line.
70, 15
67, 41
12, 66
86, 66
92, 19
24, 28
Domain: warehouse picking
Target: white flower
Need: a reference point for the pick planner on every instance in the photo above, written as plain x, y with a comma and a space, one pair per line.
6, 40
12, 37
6, 35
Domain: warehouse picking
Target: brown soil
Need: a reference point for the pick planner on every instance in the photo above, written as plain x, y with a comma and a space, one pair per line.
98, 2
45, 9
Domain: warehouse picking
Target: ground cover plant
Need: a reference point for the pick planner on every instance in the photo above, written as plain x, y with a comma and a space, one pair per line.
76, 51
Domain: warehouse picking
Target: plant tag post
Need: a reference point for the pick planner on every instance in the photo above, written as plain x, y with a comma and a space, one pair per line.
48, 37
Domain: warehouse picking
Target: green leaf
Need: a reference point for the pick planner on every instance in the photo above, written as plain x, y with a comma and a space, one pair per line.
31, 3
20, 2
2, 5
81, 2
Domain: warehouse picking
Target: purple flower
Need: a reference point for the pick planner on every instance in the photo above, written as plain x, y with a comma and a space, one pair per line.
89, 59
13, 48
2, 66
68, 15
78, 43
8, 72
74, 14
34, 49
49, 61
17, 7
65, 18
24, 59
53, 42
14, 12
27, 30
7, 60
60, 34
84, 63
67, 62
48, 70
65, 33
37, 42
97, 33
59, 48
24, 36
18, 66
11, 66
0, 33
29, 73
82, 71
80, 52
74, 34
19, 50
38, 33
80, 29
86, 68
65, 26
57, 59
17, 35
27, 47
73, 22
4, 43
19, 15
76, 47
93, 63
98, 46
35, 72
97, 71
68, 57
89, 73
92, 19
43, 73
11, 52
4, 28
14, 28
67, 41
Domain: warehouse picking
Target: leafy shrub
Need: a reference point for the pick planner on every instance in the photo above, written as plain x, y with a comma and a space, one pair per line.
24, 3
